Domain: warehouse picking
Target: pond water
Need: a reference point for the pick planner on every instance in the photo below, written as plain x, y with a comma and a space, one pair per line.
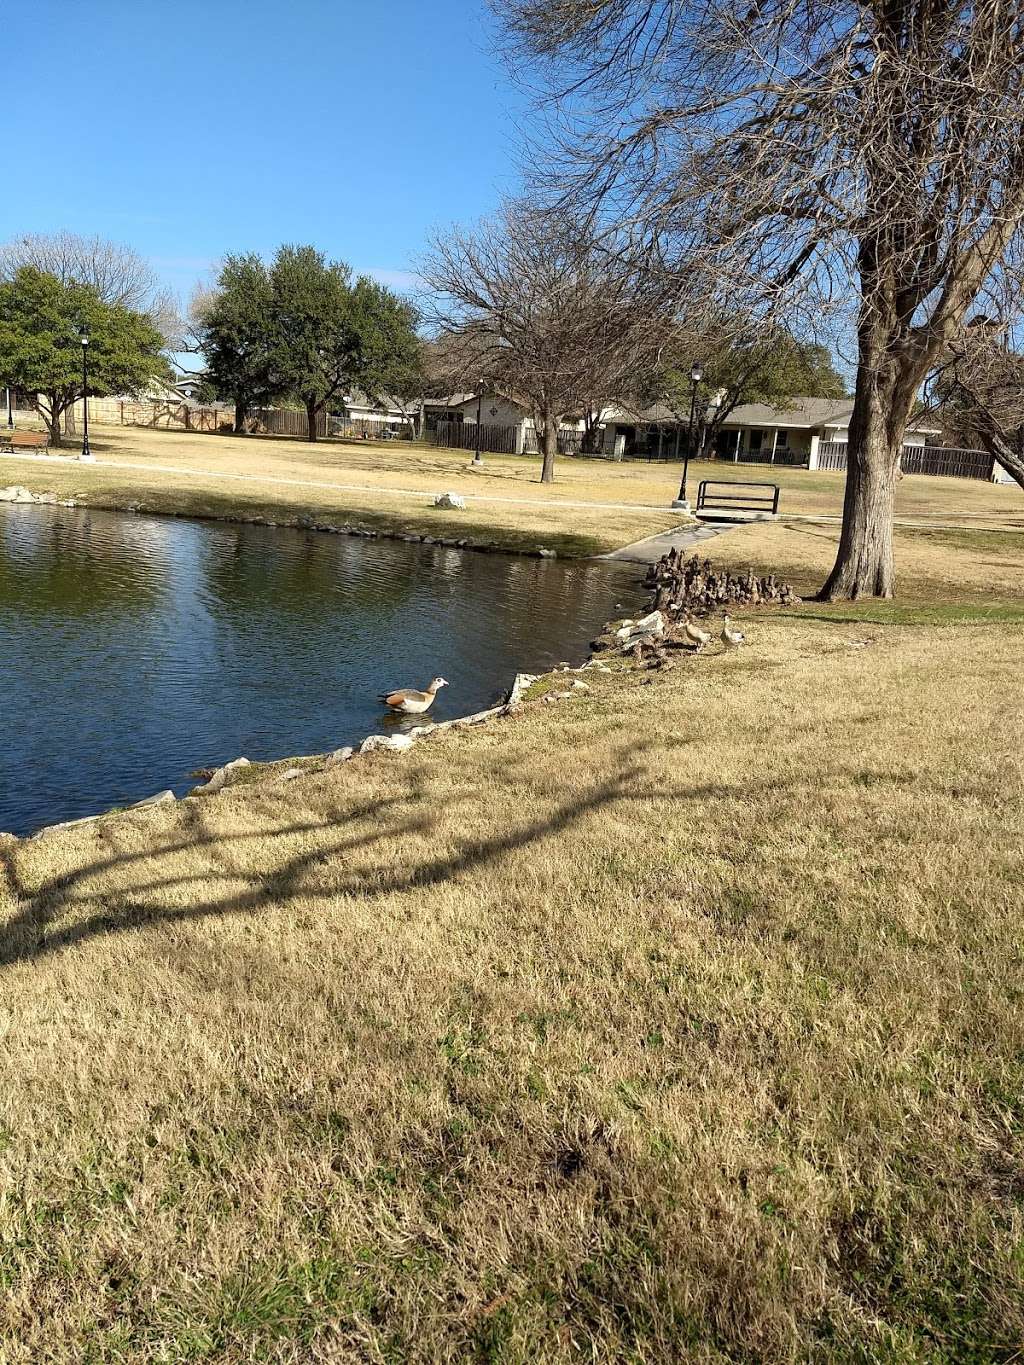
134, 650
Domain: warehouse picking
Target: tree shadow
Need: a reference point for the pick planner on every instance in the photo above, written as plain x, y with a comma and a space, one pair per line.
66, 910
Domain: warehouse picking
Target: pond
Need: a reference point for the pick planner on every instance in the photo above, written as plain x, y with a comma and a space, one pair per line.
135, 649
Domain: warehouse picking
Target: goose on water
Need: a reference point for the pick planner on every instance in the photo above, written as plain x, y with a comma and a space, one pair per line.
732, 639
411, 702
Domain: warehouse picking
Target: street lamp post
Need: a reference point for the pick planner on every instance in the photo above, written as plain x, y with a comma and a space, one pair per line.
10, 410
479, 402
86, 452
696, 375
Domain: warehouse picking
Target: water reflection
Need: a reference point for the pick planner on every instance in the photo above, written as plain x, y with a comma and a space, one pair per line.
135, 649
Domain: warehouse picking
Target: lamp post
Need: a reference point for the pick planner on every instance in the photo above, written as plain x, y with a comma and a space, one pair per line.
479, 401
696, 375
86, 452
10, 410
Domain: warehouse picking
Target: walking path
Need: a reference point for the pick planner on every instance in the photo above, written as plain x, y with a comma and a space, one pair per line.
336, 487
651, 549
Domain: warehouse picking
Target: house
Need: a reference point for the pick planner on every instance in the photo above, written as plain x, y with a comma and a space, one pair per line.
190, 386
753, 432
510, 419
357, 414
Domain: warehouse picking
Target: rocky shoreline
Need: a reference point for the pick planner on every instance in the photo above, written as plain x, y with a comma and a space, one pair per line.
16, 493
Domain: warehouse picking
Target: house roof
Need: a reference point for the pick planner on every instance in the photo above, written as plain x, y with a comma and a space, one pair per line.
797, 413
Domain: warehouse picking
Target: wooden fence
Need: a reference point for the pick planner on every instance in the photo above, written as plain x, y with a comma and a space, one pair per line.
497, 440
945, 461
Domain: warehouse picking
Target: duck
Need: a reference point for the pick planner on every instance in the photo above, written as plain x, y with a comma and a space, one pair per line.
732, 639
695, 635
409, 701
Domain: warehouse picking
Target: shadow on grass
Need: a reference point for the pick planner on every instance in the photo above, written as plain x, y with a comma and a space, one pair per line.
39, 925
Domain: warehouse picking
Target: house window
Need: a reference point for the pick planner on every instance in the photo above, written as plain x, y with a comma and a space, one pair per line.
755, 439
781, 440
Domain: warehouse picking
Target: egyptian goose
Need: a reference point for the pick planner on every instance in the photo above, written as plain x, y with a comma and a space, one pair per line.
732, 639
695, 635
411, 702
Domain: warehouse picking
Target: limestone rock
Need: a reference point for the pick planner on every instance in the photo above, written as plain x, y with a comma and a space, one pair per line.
290, 774
222, 776
450, 501
341, 755
523, 682
395, 744
160, 799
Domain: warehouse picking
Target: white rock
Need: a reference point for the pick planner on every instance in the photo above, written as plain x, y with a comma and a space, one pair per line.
23, 495
290, 774
454, 501
50, 499
8, 494
580, 686
222, 775
395, 744
523, 682
160, 799
548, 554
341, 755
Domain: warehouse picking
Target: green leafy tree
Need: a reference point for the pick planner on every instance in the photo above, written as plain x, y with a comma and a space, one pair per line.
315, 345
233, 328
759, 366
42, 320
390, 361
330, 335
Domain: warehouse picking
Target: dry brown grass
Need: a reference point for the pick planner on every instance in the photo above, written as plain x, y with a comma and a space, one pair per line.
676, 1021
953, 571
387, 486
680, 1020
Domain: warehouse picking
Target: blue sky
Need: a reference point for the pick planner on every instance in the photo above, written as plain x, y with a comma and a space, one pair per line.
192, 129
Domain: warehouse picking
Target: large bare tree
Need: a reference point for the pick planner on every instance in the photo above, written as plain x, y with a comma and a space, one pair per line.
116, 273
868, 150
534, 305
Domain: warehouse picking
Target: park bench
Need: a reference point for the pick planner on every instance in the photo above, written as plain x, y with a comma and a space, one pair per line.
724, 500
24, 440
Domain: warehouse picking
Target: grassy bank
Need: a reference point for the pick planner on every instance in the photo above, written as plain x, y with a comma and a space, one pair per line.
680, 1020
384, 487
595, 505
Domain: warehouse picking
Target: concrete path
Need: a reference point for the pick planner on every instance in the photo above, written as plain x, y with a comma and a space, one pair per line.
649, 551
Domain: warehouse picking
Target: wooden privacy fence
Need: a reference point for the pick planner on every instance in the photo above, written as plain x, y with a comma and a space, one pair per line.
498, 440
284, 422
946, 461
949, 460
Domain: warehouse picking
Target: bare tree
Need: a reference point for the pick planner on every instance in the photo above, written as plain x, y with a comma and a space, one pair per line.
848, 149
981, 388
530, 303
116, 272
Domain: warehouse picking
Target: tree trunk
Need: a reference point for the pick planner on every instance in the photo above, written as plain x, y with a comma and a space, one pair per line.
52, 421
550, 445
241, 410
311, 416
864, 565
1011, 460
